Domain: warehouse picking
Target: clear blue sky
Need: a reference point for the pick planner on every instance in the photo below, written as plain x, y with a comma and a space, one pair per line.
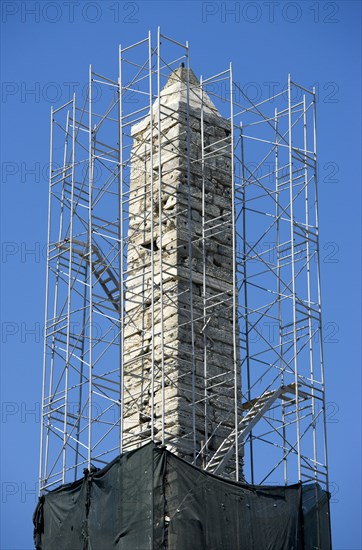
48, 45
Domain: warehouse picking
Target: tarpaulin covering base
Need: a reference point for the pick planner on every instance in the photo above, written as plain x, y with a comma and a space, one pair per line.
151, 499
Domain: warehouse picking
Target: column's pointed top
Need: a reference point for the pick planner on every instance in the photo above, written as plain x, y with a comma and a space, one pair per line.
180, 75
175, 91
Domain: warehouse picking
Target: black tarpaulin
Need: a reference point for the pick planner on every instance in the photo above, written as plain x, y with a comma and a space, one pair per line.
149, 499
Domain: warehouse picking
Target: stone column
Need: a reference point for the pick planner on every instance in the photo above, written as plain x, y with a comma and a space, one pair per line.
196, 395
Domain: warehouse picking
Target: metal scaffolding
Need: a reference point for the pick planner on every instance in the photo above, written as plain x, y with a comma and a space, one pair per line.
132, 308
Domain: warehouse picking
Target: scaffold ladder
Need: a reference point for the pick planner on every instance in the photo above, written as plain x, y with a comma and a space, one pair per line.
226, 450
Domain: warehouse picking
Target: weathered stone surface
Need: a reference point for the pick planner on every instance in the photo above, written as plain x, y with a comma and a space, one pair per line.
178, 336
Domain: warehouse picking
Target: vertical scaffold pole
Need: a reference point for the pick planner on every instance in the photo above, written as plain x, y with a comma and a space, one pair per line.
291, 213
234, 282
204, 320
309, 295
160, 230
90, 262
189, 220
69, 296
279, 290
319, 287
245, 286
121, 251
152, 414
